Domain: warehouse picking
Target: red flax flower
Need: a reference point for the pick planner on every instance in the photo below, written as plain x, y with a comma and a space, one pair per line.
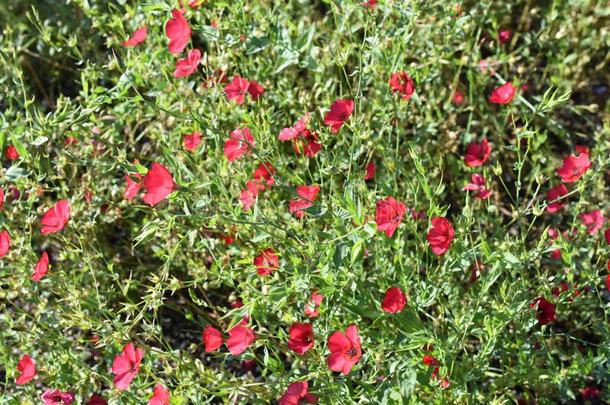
263, 175
394, 300
594, 221
255, 90
311, 309
137, 37
266, 262
160, 396
401, 82
477, 153
178, 31
57, 397
345, 350
158, 184
11, 153
97, 400
388, 215
545, 311
504, 36
27, 370
478, 184
41, 267
297, 394
440, 236
126, 365
239, 143
574, 167
429, 360
132, 187
187, 66
287, 134
212, 339
248, 196
340, 111
240, 338
307, 196
301, 338
56, 217
590, 392
553, 194
503, 94
191, 141
5, 243
237, 89
607, 236
458, 98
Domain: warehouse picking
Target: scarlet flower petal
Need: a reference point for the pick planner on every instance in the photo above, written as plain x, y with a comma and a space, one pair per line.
178, 31
187, 66
240, 338
339, 113
212, 339
160, 396
27, 368
158, 184
56, 217
503, 94
137, 37
394, 300
42, 267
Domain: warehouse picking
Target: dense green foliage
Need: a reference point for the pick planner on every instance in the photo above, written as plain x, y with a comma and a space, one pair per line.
122, 271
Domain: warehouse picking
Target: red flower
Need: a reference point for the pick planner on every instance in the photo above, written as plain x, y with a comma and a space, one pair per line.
574, 167
178, 31
301, 338
5, 243
57, 397
237, 89
429, 360
340, 111
287, 134
308, 144
27, 368
370, 171
212, 339
503, 94
401, 82
239, 144
187, 66
477, 153
255, 90
11, 153
248, 196
97, 400
594, 221
240, 338
263, 175
158, 184
297, 394
160, 396
191, 141
388, 215
458, 98
478, 184
545, 312
554, 194
589, 392
394, 300
440, 235
344, 349
137, 37
607, 236
608, 278
504, 36
126, 365
266, 262
581, 149
56, 217
1, 199
41, 267
132, 188
307, 196
311, 309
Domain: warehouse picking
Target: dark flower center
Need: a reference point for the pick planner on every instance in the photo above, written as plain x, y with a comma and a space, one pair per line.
351, 352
